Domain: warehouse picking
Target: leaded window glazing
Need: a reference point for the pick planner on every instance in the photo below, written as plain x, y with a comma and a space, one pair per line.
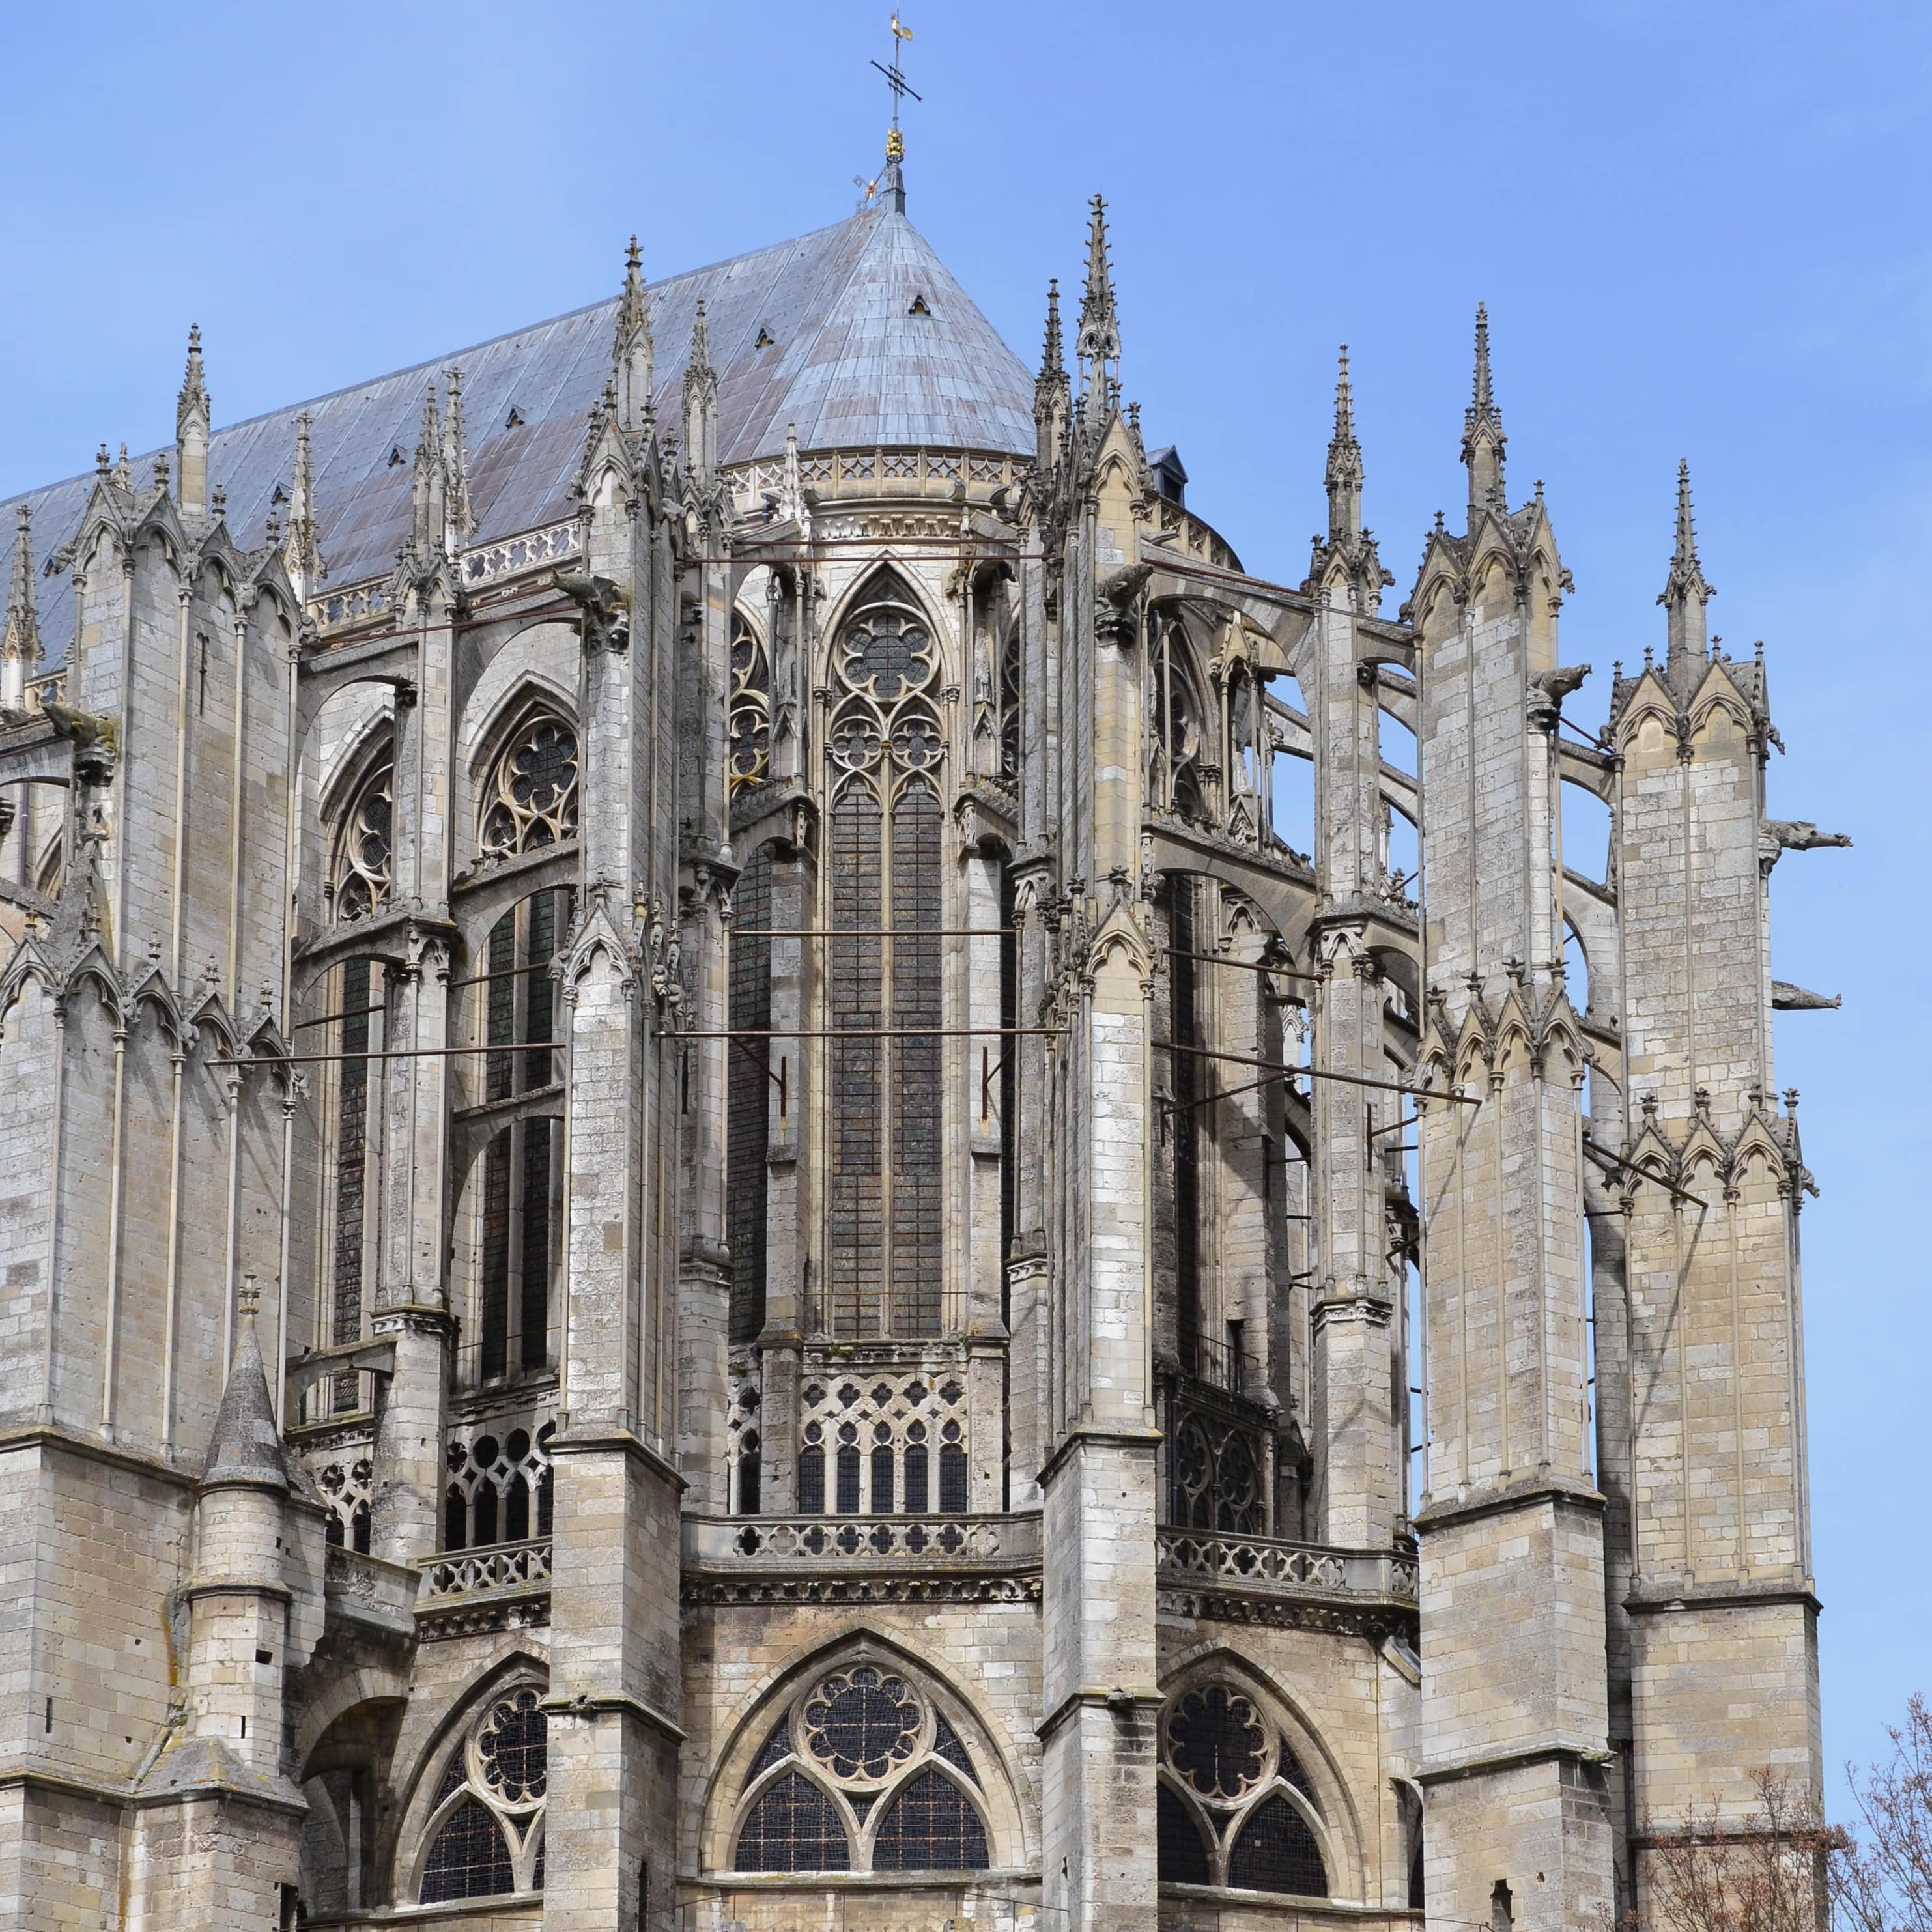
749, 1076
1235, 1806
360, 872
531, 799
886, 894
485, 1831
862, 1774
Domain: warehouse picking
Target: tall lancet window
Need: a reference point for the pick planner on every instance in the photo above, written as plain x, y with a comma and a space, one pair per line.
886, 893
748, 1134
359, 884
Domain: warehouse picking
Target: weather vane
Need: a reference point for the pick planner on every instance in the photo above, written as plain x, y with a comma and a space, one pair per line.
896, 81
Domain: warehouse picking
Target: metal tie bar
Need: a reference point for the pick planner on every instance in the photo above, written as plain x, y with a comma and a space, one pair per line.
1316, 1073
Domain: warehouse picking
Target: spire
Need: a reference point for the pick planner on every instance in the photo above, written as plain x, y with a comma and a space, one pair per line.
20, 640
192, 420
631, 353
1345, 463
456, 468
1685, 593
245, 1448
303, 559
428, 520
701, 402
1483, 437
1052, 399
1099, 342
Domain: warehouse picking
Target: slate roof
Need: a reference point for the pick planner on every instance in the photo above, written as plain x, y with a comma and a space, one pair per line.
849, 362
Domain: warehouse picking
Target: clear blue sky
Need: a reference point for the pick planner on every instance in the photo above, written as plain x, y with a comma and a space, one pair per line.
1701, 231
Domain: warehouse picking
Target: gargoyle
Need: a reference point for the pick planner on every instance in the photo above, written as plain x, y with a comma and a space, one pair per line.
605, 606
1800, 835
1557, 683
1787, 998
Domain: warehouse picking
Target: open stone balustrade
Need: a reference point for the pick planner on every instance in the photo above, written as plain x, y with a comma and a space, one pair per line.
1266, 1565
744, 1543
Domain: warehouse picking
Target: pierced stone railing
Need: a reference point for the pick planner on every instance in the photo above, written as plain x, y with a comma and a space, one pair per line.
1204, 1559
503, 1566
535, 550
354, 604
903, 1543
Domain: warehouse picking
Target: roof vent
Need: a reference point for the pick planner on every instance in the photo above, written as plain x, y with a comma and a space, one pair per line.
280, 495
514, 420
397, 459
918, 307
764, 341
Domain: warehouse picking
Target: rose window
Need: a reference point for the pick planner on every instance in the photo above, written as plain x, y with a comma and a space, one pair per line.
1216, 1741
511, 1748
862, 1724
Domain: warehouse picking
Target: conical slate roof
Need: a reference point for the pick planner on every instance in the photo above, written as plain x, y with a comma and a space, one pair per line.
856, 334
246, 1446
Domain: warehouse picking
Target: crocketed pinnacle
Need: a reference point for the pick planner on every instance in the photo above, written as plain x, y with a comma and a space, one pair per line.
1685, 593
700, 400
1098, 343
1344, 477
632, 352
1483, 437
427, 491
1053, 354
194, 388
456, 463
20, 635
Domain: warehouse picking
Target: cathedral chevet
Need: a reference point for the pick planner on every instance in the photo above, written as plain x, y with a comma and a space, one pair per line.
704, 1228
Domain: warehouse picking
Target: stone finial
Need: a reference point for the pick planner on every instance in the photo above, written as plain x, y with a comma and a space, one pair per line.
632, 355
1686, 596
124, 474
1098, 343
1482, 438
429, 519
1052, 397
461, 520
20, 637
701, 401
1344, 477
302, 558
192, 430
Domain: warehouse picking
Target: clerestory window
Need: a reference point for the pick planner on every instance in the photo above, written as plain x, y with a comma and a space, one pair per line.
886, 892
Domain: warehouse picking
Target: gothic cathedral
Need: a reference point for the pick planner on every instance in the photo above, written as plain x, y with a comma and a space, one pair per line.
703, 1227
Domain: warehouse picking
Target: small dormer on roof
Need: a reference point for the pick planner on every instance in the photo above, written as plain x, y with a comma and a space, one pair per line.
1170, 475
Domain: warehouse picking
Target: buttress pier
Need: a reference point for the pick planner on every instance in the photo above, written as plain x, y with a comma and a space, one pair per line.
671, 1093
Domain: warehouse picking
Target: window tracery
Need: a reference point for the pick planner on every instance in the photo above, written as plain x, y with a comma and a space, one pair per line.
884, 748
1235, 1807
485, 1832
881, 1445
863, 1773
748, 716
1178, 741
359, 874
531, 799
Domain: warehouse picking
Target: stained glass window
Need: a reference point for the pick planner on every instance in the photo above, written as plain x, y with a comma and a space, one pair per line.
1181, 1857
470, 1857
748, 1078
887, 842
531, 799
1217, 1741
353, 998
1184, 1076
1277, 1852
945, 1744
793, 1827
862, 1724
515, 1750
360, 877
932, 1826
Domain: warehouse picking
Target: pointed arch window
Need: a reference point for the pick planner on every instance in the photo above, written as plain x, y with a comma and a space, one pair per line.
1178, 781
530, 801
886, 890
360, 873
748, 726
486, 1830
1235, 1806
862, 1773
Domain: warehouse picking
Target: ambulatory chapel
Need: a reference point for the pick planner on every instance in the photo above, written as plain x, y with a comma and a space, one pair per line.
703, 1225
